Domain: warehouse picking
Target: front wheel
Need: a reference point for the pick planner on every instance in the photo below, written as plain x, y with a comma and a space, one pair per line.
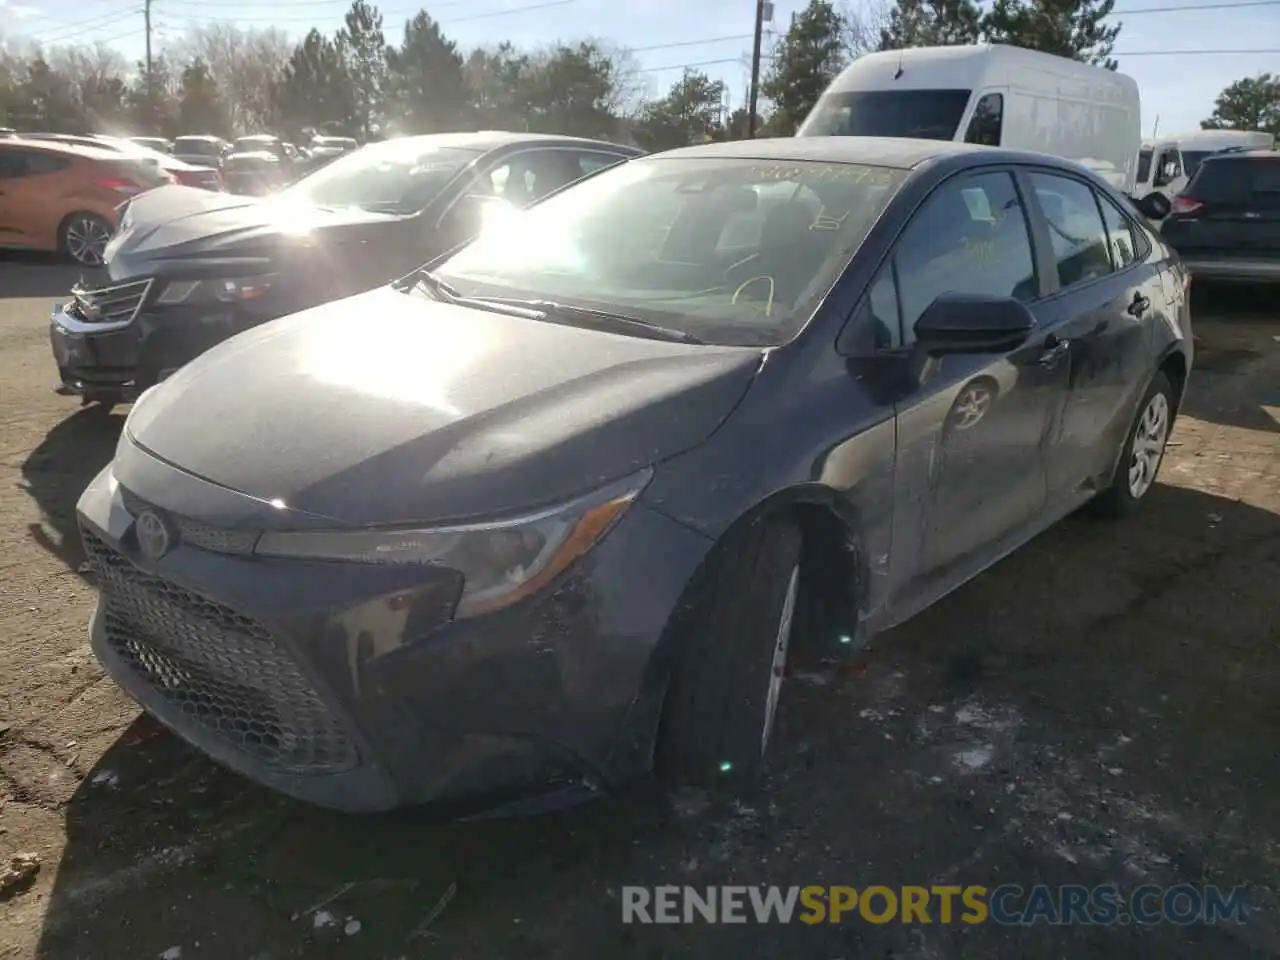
722, 700
84, 238
1143, 451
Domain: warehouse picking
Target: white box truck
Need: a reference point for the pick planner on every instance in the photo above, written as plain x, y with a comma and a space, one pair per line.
989, 94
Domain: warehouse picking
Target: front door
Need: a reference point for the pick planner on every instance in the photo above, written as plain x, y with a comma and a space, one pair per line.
971, 434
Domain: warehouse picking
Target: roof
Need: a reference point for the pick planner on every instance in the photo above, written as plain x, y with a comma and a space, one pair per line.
876, 151
72, 149
485, 140
1258, 154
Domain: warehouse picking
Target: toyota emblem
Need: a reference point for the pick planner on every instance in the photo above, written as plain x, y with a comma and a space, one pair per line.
153, 535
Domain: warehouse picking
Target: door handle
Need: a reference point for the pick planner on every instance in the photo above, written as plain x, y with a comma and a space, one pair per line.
1138, 306
1055, 350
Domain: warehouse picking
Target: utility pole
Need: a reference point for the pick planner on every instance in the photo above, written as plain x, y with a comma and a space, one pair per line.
754, 96
146, 14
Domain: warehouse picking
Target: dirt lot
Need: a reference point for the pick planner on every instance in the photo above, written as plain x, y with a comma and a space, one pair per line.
1103, 707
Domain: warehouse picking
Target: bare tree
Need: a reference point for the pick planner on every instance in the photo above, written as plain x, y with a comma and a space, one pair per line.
244, 64
98, 74
864, 19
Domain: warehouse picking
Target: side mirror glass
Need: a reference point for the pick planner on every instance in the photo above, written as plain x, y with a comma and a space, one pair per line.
1154, 206
973, 323
473, 213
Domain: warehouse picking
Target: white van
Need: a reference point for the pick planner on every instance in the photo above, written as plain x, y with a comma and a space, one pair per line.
1204, 143
1161, 169
990, 94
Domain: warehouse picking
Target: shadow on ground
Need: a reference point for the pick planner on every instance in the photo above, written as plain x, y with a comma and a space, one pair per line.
24, 275
1099, 708
57, 471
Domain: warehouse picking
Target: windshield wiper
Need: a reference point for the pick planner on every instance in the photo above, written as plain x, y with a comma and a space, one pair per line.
423, 277
603, 319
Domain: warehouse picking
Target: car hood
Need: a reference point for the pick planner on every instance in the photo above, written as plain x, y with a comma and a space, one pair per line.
178, 222
391, 408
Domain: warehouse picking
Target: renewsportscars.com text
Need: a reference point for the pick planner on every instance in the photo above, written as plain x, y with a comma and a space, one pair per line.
1008, 905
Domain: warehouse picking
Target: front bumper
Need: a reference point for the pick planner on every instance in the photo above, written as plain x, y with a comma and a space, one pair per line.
117, 361
348, 686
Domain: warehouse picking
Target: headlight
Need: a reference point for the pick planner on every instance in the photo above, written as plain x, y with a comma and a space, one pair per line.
500, 561
226, 290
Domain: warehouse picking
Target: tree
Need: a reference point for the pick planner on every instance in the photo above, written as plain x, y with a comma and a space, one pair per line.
200, 107
314, 89
805, 61
737, 126
931, 23
43, 99
364, 47
572, 89
427, 87
689, 113
1068, 28
494, 78
245, 66
1251, 103
97, 74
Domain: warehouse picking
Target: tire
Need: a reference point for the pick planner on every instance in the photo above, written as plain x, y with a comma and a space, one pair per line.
1124, 494
722, 698
83, 236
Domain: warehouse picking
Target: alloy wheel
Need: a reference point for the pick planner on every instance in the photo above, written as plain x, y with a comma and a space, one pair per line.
87, 239
1149, 438
778, 667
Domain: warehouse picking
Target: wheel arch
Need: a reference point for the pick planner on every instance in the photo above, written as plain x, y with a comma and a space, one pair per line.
834, 576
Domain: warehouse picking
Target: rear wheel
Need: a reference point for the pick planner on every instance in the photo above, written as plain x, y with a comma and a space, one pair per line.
723, 697
1142, 453
84, 238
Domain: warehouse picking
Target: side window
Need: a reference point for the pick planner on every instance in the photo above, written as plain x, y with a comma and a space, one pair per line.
38, 163
13, 163
591, 162
970, 236
1124, 241
1075, 228
987, 121
875, 324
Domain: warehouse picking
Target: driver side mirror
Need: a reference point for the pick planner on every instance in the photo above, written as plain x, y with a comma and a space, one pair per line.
1154, 206
973, 323
470, 215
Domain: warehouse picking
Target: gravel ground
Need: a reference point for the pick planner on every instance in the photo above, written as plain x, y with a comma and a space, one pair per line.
1101, 707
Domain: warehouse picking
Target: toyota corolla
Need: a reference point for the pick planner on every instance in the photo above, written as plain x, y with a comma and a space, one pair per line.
562, 507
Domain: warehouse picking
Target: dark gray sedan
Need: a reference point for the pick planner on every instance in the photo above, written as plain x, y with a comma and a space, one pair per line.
560, 508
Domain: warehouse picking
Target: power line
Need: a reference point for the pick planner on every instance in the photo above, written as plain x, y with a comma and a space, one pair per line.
312, 19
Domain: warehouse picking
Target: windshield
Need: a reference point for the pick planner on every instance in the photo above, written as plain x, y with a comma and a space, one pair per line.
399, 177
206, 148
1144, 165
1191, 159
730, 251
916, 114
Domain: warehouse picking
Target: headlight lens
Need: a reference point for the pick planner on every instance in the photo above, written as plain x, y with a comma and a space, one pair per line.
224, 289
500, 561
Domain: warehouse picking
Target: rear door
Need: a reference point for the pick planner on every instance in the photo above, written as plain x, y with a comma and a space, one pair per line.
1229, 210
1107, 295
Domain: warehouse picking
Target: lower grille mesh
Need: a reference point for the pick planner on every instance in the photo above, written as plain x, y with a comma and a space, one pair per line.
224, 671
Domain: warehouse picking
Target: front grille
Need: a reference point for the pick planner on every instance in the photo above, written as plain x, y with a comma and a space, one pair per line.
205, 536
224, 671
115, 304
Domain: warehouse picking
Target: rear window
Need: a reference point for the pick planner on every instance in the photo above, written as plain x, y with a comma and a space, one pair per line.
1250, 180
205, 147
916, 114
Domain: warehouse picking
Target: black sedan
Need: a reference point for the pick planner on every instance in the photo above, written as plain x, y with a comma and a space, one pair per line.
563, 506
187, 268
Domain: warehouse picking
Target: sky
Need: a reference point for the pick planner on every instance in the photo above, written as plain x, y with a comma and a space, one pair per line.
1181, 52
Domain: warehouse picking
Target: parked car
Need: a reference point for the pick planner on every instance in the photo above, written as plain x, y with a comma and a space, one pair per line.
1226, 223
62, 198
190, 175
189, 269
559, 507
258, 165
159, 144
202, 150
